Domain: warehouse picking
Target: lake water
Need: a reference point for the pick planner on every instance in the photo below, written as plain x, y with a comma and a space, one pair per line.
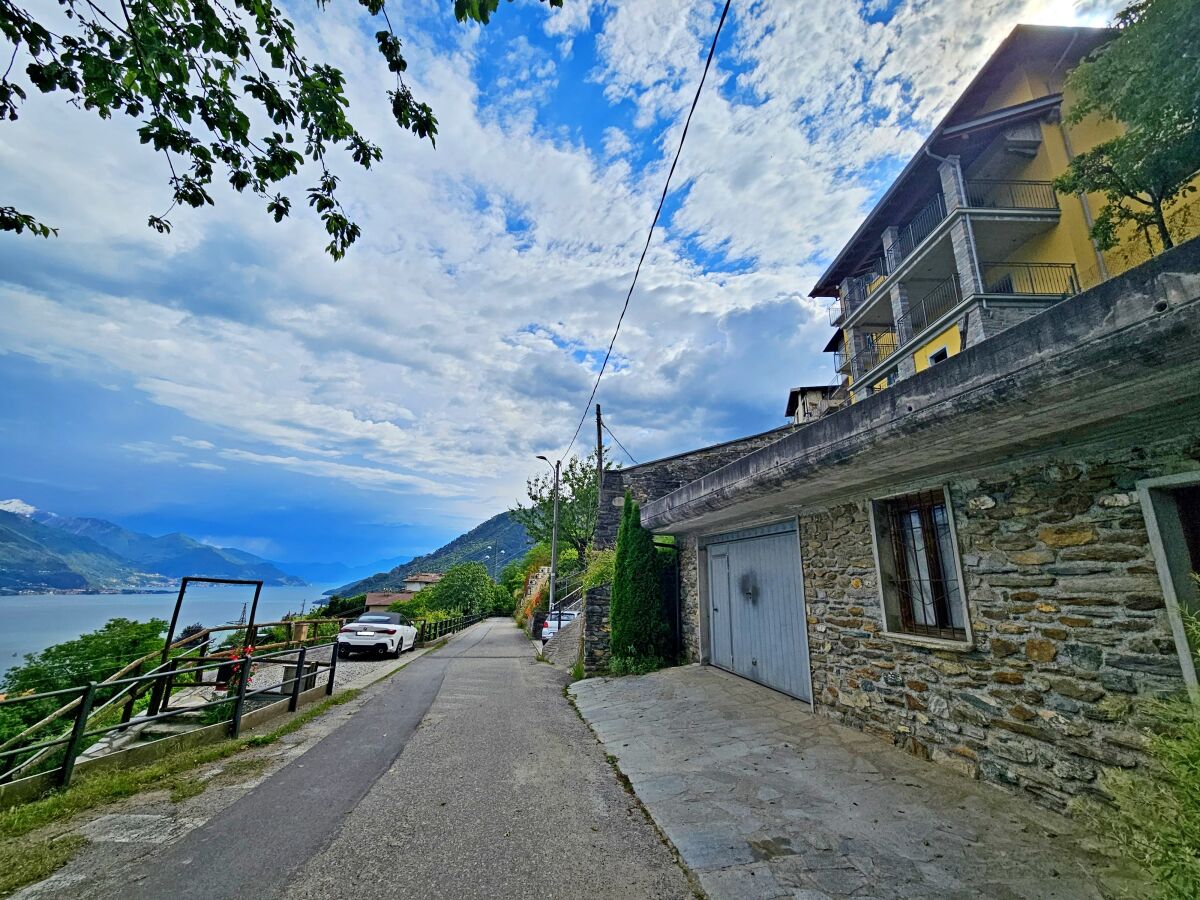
32, 622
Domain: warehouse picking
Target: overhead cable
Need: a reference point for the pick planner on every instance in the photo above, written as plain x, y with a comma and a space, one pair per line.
650, 234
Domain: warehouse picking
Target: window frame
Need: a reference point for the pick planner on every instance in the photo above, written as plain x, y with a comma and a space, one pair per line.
889, 597
1156, 497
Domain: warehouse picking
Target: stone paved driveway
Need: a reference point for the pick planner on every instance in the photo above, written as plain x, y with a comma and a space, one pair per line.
764, 799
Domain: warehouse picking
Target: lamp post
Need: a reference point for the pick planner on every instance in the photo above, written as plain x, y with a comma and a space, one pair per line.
557, 465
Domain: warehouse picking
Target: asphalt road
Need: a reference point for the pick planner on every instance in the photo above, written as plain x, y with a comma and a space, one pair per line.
465, 775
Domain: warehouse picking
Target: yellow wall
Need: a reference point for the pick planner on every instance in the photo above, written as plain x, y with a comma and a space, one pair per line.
949, 340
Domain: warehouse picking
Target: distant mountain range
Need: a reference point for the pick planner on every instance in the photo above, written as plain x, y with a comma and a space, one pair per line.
501, 538
43, 552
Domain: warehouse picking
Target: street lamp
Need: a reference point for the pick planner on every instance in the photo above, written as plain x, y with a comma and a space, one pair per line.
557, 465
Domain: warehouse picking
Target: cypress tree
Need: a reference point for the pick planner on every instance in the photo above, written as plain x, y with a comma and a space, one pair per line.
639, 628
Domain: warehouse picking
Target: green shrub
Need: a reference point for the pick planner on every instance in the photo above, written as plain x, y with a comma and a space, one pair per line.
599, 568
639, 627
1154, 817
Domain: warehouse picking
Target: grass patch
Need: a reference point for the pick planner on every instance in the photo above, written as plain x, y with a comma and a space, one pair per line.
184, 788
91, 790
577, 673
23, 862
299, 721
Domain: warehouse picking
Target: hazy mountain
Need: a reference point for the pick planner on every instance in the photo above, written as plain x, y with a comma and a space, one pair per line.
43, 551
337, 572
35, 557
505, 537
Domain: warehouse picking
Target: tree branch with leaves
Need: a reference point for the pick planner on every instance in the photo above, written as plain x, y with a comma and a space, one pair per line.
195, 72
1147, 79
578, 505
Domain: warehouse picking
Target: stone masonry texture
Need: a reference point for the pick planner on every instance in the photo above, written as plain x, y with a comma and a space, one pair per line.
1071, 637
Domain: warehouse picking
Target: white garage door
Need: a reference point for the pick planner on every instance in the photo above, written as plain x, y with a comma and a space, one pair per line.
756, 607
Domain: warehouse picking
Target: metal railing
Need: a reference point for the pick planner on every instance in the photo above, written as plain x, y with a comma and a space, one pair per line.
930, 308
856, 290
1030, 279
137, 682
431, 631
992, 193
85, 724
878, 347
841, 361
911, 235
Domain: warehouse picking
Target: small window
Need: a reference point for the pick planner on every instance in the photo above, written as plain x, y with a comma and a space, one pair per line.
939, 356
919, 575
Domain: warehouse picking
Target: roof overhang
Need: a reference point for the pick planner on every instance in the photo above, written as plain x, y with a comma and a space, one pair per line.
1119, 359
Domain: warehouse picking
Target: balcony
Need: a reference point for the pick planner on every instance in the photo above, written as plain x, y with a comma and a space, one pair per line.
1040, 280
930, 308
841, 361
877, 347
911, 235
989, 193
855, 291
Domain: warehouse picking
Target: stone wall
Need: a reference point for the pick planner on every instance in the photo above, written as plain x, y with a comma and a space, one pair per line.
689, 598
658, 478
596, 631
1070, 631
564, 648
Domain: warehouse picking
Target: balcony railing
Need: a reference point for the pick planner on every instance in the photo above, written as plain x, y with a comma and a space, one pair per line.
930, 308
878, 347
989, 193
915, 231
856, 290
841, 361
1030, 279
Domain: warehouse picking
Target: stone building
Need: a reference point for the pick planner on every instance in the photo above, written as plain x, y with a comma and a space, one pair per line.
988, 563
985, 556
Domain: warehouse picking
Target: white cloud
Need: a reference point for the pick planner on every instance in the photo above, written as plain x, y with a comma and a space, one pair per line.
411, 367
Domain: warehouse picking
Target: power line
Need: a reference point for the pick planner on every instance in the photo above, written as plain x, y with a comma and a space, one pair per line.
619, 444
658, 212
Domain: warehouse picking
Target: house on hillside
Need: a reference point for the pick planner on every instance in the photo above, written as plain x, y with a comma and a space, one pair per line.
379, 601
418, 581
984, 556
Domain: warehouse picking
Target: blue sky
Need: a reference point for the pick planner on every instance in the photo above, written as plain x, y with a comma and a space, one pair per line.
230, 381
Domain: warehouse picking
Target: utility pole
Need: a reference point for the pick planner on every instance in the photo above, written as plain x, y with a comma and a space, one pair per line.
599, 454
554, 531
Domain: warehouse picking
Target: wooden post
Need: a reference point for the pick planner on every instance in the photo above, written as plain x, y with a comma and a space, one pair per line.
235, 727
75, 745
298, 683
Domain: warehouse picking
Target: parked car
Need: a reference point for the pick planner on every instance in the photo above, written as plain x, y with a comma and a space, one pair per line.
550, 628
377, 632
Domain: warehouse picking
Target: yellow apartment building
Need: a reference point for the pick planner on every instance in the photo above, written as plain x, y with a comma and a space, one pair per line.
972, 238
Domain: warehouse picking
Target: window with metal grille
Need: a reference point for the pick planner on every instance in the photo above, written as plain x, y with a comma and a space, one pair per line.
922, 591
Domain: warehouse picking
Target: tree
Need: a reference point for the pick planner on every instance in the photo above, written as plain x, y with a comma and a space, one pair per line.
639, 627
1148, 79
465, 589
199, 73
578, 505
90, 657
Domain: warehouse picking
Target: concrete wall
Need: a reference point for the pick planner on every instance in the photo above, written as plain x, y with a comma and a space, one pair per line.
654, 479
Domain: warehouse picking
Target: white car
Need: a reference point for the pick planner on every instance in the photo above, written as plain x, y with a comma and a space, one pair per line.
551, 627
377, 632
